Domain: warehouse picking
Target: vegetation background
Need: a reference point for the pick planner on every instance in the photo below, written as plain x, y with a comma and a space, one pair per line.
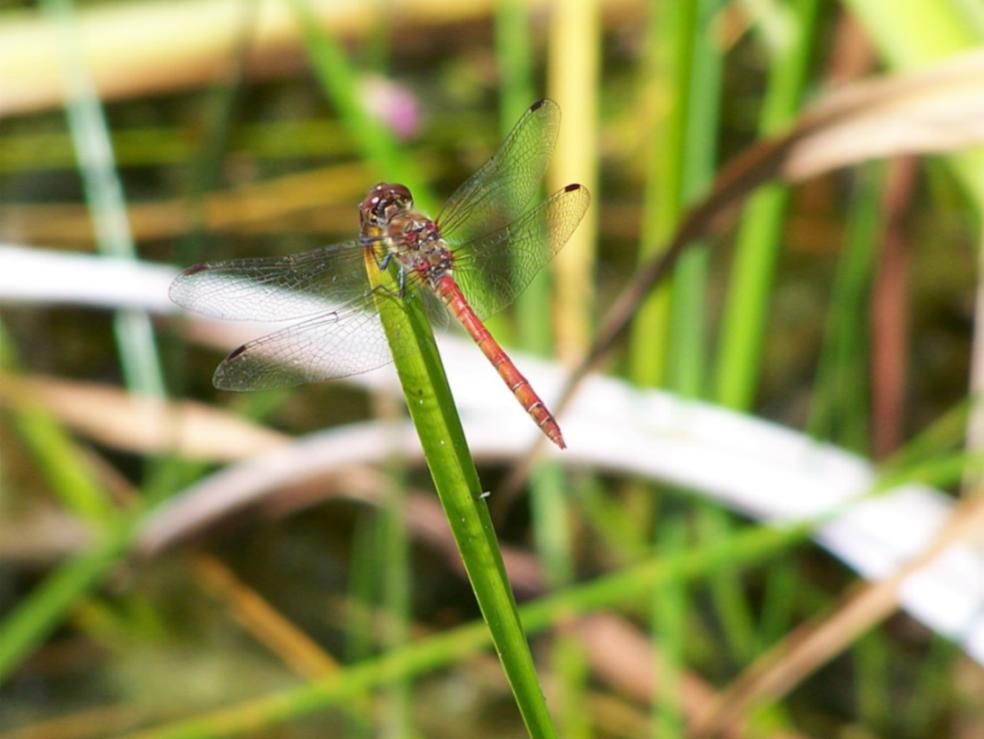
784, 227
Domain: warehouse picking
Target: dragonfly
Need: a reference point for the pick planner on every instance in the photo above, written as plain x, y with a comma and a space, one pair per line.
484, 248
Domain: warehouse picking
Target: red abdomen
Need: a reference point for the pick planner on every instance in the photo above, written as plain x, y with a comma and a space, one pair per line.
450, 293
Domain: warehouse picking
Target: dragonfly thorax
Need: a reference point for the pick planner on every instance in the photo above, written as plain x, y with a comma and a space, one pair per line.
416, 242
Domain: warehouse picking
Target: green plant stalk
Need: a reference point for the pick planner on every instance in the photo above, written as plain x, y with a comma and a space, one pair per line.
616, 524
730, 604
104, 194
744, 318
839, 394
66, 470
669, 627
551, 522
873, 685
442, 439
61, 464
946, 432
667, 70
670, 36
778, 604
934, 687
688, 330
688, 325
39, 613
436, 652
943, 471
514, 55
573, 673
361, 599
395, 568
58, 459
548, 504
745, 314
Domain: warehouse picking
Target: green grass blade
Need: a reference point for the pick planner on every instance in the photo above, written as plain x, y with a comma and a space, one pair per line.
442, 439
688, 325
669, 629
394, 543
514, 53
573, 673
873, 693
551, 522
744, 320
104, 193
838, 411
731, 605
359, 624
778, 603
947, 432
65, 469
61, 464
669, 46
57, 457
37, 615
932, 689
427, 655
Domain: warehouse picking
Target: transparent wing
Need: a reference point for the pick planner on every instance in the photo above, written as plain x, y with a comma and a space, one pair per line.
503, 187
274, 288
494, 269
344, 342
434, 308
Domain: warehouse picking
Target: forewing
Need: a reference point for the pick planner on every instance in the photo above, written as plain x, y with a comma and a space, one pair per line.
503, 187
494, 269
274, 288
344, 342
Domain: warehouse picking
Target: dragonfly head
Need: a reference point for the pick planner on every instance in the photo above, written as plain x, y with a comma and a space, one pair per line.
383, 202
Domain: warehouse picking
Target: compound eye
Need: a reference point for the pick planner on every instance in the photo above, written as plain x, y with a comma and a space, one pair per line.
401, 195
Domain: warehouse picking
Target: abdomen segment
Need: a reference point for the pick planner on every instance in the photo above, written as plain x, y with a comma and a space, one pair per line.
450, 293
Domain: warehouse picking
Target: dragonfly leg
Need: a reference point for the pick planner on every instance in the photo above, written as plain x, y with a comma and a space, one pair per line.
384, 262
381, 262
